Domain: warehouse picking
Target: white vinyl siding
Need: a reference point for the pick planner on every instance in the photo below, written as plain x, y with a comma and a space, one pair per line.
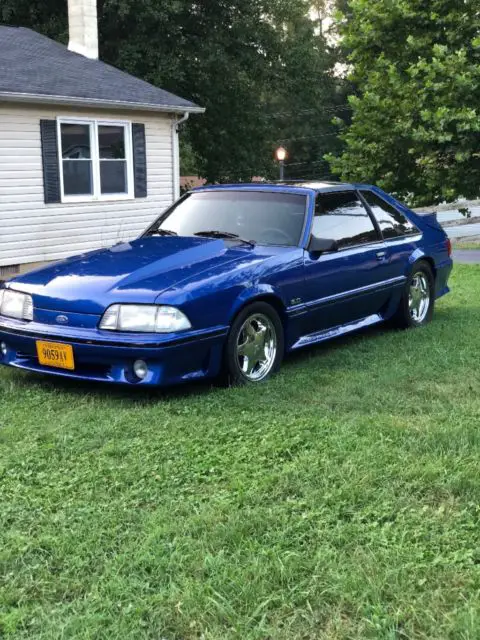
32, 231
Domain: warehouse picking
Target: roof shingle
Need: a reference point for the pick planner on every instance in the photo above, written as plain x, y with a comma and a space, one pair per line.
33, 65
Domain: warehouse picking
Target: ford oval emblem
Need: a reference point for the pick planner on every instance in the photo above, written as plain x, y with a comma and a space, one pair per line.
62, 319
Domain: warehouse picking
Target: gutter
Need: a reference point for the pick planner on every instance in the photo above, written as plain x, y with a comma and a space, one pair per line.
32, 98
176, 154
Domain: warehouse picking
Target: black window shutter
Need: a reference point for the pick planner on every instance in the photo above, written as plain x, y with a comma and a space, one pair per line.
51, 177
139, 160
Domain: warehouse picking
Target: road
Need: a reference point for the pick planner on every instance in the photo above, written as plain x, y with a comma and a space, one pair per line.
466, 256
454, 214
464, 230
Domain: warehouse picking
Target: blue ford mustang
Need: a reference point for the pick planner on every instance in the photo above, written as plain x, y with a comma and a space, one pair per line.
230, 278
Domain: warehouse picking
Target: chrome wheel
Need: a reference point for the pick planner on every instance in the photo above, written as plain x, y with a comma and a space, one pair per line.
256, 347
419, 297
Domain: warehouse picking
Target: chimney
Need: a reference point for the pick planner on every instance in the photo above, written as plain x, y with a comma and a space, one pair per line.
82, 27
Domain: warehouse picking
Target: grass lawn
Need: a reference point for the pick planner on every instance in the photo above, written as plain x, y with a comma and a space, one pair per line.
339, 500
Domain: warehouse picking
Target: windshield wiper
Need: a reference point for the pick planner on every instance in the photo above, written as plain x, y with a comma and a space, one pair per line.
162, 232
224, 234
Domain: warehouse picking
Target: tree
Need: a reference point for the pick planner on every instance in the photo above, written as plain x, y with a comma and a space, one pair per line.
416, 127
46, 16
259, 67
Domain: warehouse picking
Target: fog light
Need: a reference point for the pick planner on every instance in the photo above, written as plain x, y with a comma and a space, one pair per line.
3, 349
140, 368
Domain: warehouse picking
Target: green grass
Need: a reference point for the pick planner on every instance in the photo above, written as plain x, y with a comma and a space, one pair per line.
339, 500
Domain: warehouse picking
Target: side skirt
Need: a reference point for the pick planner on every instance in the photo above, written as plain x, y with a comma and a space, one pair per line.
340, 330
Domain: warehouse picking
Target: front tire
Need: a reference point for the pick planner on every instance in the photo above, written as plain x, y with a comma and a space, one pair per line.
255, 344
418, 298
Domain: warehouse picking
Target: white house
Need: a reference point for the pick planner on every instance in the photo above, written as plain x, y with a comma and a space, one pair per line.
88, 153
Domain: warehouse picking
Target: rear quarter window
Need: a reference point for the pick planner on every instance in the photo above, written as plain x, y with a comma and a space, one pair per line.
342, 216
392, 222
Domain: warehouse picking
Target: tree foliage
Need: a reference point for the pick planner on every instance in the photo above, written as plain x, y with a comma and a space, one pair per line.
416, 116
261, 68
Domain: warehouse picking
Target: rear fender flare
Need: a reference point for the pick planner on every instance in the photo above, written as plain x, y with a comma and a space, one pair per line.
416, 255
419, 254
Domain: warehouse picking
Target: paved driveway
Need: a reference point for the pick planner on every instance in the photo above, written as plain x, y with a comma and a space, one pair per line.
454, 214
463, 231
466, 256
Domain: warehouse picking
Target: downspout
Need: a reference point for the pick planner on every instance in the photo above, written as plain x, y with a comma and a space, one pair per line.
176, 154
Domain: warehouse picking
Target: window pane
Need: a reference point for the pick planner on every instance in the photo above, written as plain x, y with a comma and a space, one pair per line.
75, 141
392, 222
113, 176
111, 142
77, 177
342, 217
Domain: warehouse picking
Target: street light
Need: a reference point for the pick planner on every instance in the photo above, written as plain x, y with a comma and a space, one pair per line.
281, 154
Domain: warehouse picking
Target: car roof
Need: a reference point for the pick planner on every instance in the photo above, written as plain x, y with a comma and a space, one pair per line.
286, 186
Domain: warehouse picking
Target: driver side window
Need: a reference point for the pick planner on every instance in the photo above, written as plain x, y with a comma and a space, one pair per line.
342, 217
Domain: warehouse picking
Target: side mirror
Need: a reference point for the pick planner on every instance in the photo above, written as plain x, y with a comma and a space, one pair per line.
321, 245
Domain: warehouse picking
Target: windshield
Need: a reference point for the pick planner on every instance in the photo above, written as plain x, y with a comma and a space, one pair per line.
258, 216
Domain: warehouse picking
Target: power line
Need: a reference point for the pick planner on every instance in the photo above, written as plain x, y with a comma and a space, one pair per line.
296, 164
322, 135
306, 112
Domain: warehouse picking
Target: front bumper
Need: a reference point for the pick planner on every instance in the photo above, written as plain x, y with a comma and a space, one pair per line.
102, 356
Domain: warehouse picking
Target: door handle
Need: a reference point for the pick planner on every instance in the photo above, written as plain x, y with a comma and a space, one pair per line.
381, 255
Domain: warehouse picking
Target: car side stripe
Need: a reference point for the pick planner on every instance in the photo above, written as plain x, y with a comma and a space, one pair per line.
377, 286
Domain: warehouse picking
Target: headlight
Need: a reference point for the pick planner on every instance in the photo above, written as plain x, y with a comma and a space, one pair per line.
14, 304
144, 318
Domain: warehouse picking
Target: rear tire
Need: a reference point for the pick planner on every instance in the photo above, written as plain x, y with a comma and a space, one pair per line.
255, 345
418, 298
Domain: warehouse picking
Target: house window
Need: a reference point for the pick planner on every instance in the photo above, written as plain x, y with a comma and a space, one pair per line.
96, 159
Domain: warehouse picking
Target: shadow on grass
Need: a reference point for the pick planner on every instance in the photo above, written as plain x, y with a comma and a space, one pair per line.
374, 332
335, 344
129, 393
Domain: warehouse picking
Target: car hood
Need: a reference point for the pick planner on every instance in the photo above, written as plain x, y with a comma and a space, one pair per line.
137, 271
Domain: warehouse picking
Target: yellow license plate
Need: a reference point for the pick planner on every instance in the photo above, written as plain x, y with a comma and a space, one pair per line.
55, 354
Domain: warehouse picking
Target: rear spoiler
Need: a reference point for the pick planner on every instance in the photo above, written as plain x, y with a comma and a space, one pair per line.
425, 214
430, 218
